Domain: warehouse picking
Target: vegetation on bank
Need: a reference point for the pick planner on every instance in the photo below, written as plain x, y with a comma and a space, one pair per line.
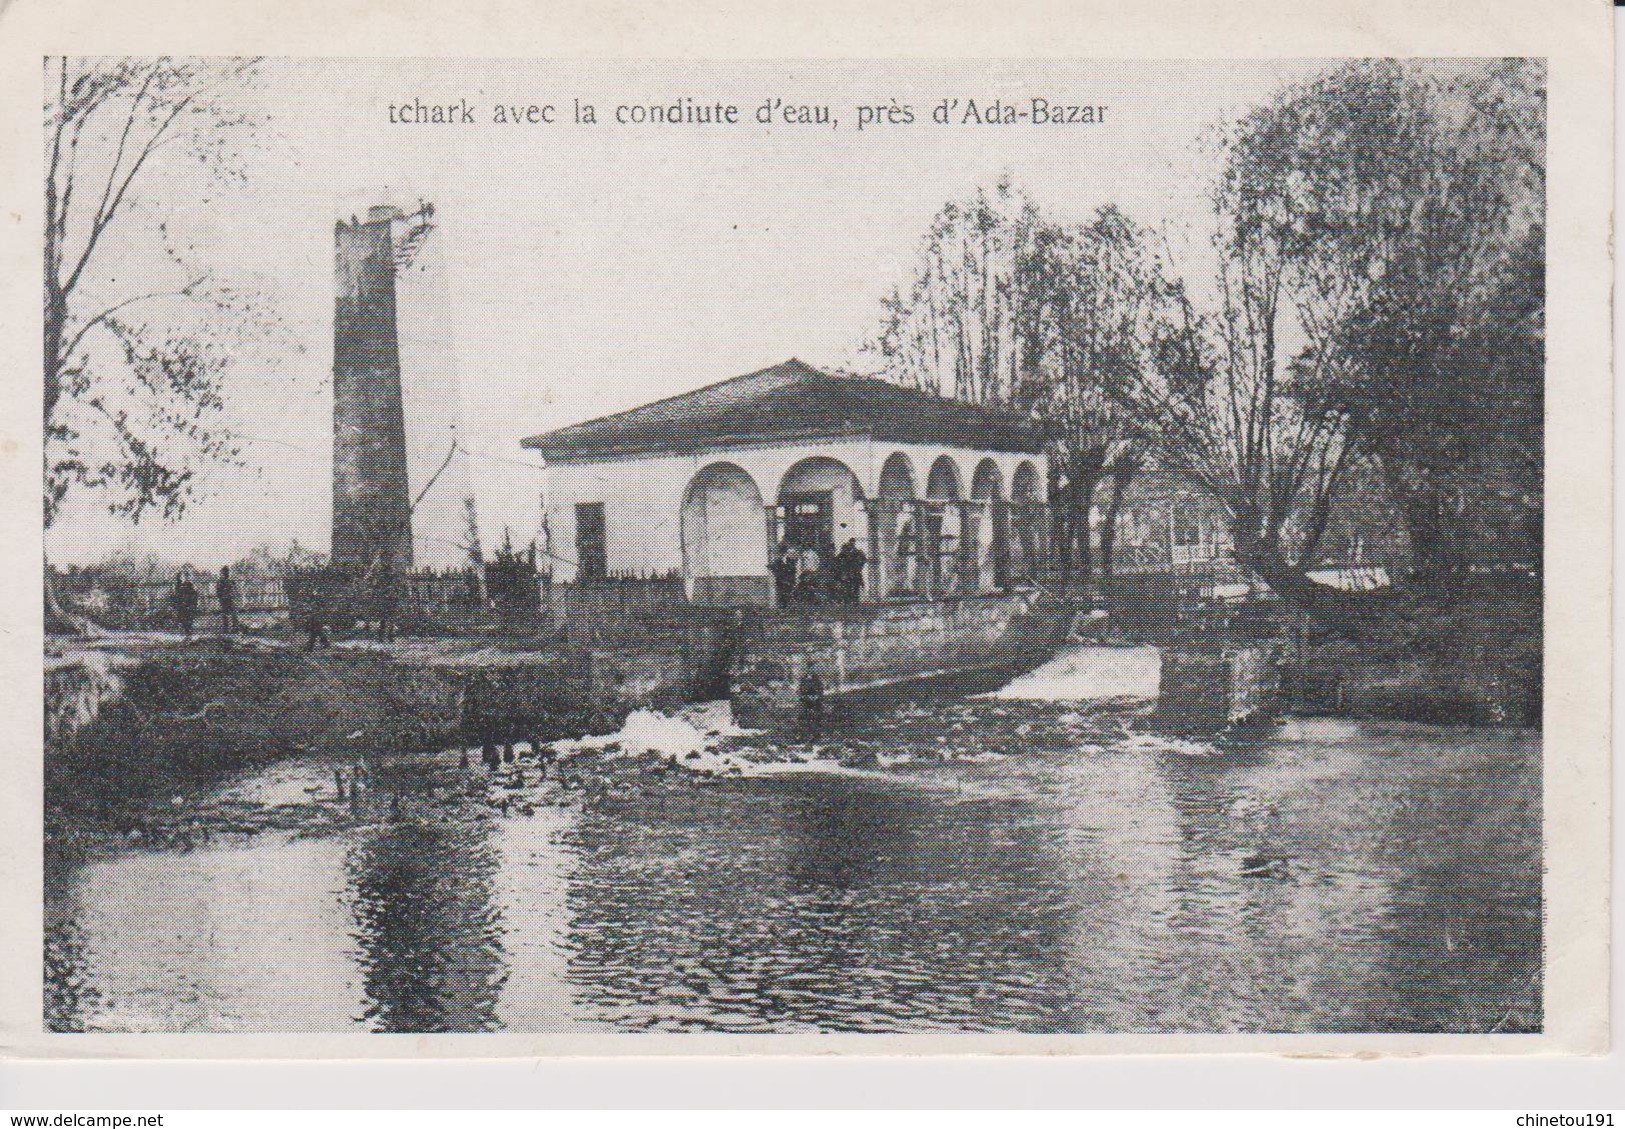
186, 718
1476, 661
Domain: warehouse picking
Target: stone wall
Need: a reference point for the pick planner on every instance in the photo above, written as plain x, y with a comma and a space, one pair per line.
169, 715
1208, 687
866, 646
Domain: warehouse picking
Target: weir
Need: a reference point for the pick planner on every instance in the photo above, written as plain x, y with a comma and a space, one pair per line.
866, 647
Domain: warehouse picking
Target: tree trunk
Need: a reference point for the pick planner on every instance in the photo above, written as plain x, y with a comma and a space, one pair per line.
1060, 543
1435, 552
56, 322
56, 319
1121, 477
59, 619
1072, 543
1365, 614
1082, 502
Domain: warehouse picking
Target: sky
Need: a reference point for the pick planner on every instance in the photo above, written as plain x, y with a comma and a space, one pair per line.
580, 270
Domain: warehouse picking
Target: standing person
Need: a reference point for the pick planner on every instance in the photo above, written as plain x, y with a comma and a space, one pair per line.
840, 572
783, 568
853, 561
810, 691
185, 601
225, 590
316, 620
808, 575
384, 597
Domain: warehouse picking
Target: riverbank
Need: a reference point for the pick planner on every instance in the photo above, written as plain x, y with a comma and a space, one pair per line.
158, 720
136, 722
1478, 662
144, 716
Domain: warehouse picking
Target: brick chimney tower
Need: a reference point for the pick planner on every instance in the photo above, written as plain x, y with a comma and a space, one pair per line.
372, 509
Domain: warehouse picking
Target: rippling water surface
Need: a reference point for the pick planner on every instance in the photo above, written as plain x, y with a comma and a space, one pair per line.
981, 864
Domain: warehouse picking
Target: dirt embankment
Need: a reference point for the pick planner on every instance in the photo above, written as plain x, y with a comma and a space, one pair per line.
183, 719
1478, 662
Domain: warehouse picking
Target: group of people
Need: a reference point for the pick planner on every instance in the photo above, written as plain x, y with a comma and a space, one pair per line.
185, 598
317, 603
323, 600
804, 575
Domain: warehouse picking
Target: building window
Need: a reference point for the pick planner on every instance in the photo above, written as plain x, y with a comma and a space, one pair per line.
592, 546
1187, 526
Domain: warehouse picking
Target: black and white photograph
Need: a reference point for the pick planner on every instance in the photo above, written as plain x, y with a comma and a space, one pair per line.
794, 548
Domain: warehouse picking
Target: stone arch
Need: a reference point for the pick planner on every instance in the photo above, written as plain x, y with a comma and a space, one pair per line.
942, 529
724, 535
988, 481
1024, 487
1026, 522
821, 472
896, 543
944, 482
992, 520
897, 477
821, 481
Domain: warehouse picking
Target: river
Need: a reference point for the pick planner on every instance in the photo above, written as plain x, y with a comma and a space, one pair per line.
935, 859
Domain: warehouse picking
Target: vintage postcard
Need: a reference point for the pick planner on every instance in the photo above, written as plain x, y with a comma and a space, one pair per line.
1051, 554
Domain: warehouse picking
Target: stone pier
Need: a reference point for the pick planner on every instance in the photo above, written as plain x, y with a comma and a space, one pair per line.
1206, 688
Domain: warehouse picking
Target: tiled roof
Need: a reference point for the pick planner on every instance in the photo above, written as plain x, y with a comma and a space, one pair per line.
790, 401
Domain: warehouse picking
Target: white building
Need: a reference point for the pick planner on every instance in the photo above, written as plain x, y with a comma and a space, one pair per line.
944, 497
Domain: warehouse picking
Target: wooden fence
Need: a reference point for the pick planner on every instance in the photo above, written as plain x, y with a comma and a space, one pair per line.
131, 604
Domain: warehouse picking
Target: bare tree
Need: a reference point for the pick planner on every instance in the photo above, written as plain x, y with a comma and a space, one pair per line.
1009, 308
1224, 408
132, 374
472, 547
957, 331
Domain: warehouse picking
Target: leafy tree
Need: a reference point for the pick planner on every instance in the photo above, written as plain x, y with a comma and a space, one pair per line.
1408, 204
133, 375
1377, 303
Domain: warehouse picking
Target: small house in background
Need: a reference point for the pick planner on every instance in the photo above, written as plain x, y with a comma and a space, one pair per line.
1167, 522
944, 498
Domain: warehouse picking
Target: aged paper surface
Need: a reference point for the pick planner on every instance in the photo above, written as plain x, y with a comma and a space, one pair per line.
1037, 532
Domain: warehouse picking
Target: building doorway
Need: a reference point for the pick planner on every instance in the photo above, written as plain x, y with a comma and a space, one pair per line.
809, 520
592, 542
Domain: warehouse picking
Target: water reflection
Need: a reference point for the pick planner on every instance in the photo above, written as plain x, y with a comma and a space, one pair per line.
810, 903
1118, 850
427, 930
234, 937
1014, 867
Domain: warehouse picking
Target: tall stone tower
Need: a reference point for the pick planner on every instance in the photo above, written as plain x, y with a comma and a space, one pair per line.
372, 507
